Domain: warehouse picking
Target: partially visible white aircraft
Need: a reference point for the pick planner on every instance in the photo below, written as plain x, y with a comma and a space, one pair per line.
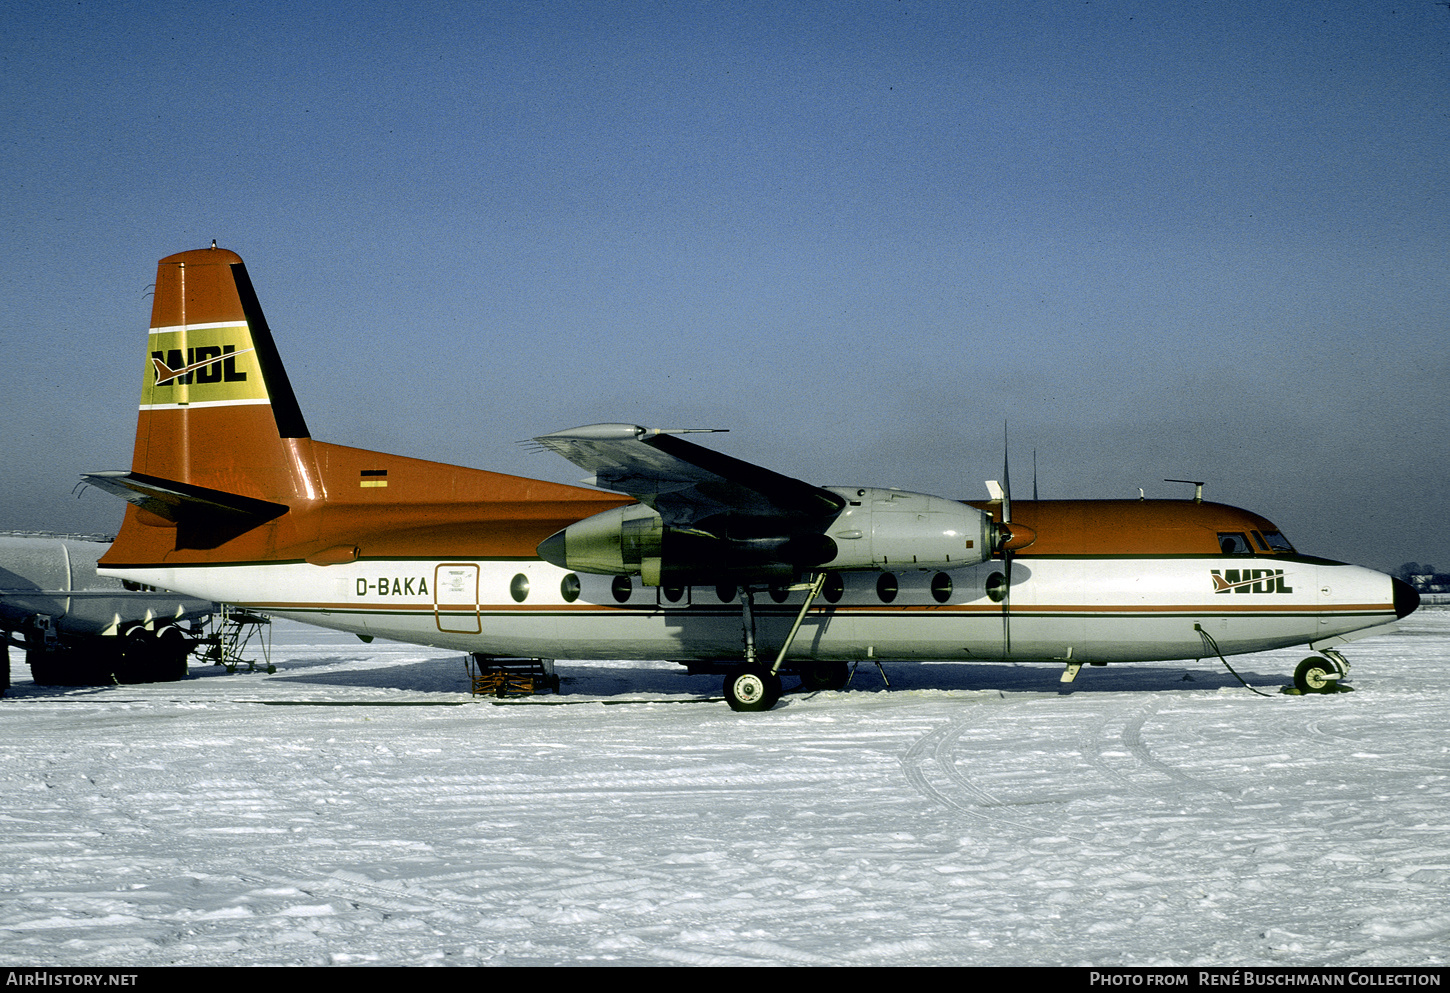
77, 628
233, 500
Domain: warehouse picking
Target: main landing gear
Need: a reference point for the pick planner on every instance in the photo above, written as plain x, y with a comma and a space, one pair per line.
757, 686
752, 687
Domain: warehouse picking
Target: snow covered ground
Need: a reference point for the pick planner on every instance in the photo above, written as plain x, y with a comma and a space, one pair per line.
359, 807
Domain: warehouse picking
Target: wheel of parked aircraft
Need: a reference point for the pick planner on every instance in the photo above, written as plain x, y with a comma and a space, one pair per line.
826, 675
1315, 675
752, 688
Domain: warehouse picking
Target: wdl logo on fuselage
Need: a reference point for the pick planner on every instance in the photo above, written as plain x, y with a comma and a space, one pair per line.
1250, 581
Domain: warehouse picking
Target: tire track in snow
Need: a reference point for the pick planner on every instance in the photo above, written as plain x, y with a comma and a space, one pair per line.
932, 769
932, 744
1144, 778
938, 748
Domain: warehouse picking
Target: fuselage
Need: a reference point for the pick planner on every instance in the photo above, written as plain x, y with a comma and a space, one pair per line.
1106, 581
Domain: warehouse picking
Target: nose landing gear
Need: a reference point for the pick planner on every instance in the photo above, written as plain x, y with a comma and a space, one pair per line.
1318, 674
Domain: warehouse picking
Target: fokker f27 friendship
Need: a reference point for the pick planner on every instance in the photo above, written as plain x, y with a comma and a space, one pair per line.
696, 557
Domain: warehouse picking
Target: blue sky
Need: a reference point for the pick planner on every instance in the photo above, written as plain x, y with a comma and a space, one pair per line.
1155, 239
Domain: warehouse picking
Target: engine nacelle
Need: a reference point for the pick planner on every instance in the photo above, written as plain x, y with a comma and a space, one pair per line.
893, 529
635, 541
618, 542
878, 529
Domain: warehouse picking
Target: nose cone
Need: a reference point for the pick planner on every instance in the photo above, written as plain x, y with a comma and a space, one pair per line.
1407, 599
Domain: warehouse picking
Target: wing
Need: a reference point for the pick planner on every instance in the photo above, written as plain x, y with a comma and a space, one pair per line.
685, 483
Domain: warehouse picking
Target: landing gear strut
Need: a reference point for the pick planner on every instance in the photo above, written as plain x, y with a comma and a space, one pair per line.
755, 686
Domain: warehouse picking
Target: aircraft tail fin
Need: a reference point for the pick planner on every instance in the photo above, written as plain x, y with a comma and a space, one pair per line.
217, 409
221, 445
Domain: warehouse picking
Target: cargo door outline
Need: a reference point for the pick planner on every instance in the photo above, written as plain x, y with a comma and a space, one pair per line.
455, 597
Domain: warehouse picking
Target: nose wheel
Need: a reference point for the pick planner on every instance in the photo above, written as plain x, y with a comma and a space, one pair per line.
1321, 674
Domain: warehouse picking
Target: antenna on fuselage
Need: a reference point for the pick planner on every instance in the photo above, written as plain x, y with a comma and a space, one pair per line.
1197, 487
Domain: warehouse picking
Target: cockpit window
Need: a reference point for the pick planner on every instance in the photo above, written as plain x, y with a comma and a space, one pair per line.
1277, 542
1234, 543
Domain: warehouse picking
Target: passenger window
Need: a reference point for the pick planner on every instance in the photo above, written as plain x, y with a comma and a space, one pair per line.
569, 588
1233, 543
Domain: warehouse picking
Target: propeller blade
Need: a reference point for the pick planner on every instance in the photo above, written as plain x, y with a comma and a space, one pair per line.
1006, 481
1006, 547
1009, 536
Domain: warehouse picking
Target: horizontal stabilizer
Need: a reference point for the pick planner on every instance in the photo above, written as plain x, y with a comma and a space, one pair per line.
204, 518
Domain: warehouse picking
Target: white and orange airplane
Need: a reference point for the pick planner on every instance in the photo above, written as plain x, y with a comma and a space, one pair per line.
232, 500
